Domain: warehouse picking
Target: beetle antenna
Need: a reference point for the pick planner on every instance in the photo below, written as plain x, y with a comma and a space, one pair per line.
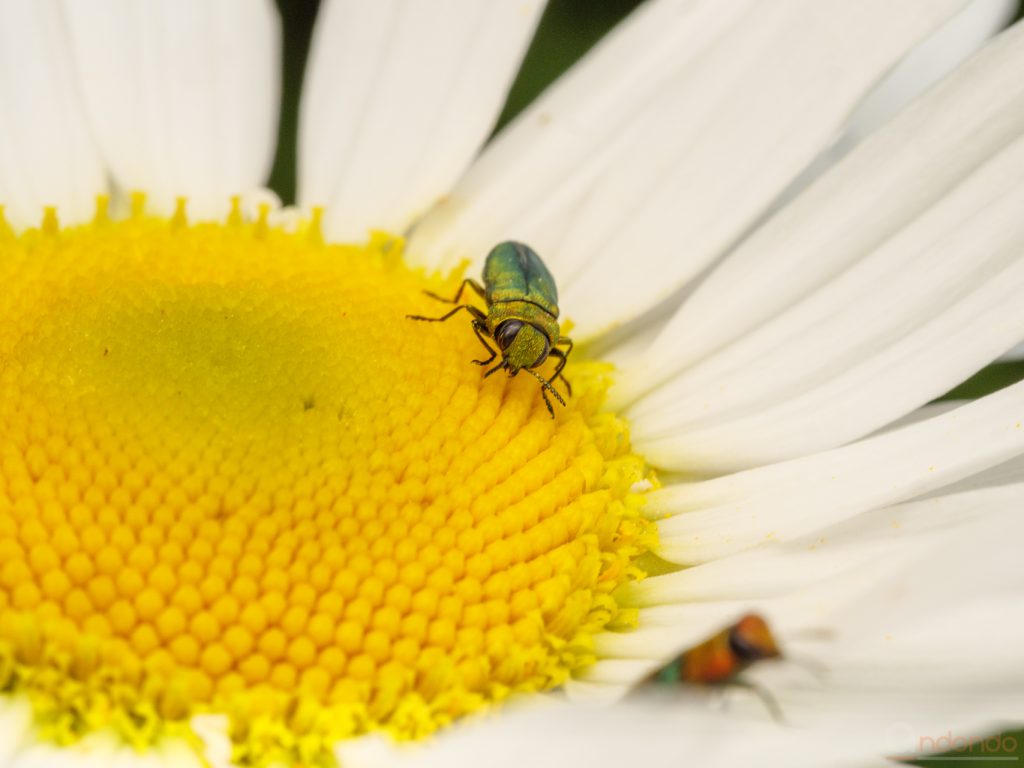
546, 384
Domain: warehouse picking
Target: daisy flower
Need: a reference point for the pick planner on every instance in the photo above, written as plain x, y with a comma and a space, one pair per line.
251, 513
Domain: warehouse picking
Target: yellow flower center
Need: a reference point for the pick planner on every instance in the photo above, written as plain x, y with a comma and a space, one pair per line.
234, 477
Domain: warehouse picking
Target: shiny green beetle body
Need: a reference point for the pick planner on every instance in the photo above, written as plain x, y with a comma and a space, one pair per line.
521, 317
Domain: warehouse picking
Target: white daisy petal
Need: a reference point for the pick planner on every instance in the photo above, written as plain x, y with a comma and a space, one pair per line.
910, 259
1008, 473
778, 502
182, 94
872, 727
896, 610
180, 754
670, 157
379, 151
924, 588
930, 627
214, 732
972, 648
672, 730
15, 726
129, 758
1015, 353
96, 750
650, 732
891, 535
951, 45
47, 156
893, 323
926, 65
925, 412
800, 583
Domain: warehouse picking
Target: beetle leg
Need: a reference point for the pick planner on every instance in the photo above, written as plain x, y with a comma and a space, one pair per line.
544, 396
564, 355
495, 369
478, 328
562, 360
472, 310
769, 701
458, 296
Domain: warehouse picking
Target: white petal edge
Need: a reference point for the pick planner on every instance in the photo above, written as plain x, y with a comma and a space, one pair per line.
839, 219
721, 516
214, 732
399, 96
98, 750
659, 732
22, 747
808, 585
557, 734
899, 328
952, 44
15, 726
1014, 354
47, 155
878, 615
935, 58
844, 293
182, 95
668, 141
881, 535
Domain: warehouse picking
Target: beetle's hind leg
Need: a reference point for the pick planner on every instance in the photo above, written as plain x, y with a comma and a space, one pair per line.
769, 701
458, 296
468, 307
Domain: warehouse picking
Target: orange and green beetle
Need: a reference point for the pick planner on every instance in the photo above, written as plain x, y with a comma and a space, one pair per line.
724, 655
721, 659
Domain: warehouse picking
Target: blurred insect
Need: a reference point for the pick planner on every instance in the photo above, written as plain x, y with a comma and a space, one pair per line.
521, 317
721, 659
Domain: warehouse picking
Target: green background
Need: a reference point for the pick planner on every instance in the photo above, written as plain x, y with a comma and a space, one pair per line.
567, 30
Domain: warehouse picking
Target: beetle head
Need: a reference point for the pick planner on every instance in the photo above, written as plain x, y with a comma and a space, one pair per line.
751, 639
522, 345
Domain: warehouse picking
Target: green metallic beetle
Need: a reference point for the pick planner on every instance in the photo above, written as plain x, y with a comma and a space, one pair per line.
521, 317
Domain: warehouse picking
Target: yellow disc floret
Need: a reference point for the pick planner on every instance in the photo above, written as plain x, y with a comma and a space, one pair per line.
235, 478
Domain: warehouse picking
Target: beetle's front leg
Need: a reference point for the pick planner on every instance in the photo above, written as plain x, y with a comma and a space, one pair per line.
558, 370
547, 402
480, 328
563, 358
